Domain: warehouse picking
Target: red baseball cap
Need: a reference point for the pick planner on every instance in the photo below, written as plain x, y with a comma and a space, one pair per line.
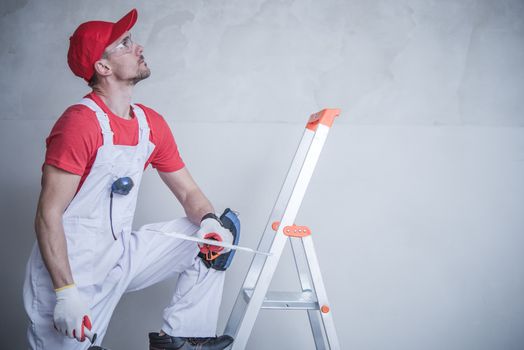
89, 41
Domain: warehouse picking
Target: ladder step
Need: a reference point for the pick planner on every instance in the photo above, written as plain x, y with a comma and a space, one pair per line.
286, 300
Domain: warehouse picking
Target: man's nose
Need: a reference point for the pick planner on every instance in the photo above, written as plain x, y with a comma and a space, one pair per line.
139, 49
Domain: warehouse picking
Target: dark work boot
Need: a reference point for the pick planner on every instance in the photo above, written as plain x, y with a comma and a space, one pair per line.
166, 342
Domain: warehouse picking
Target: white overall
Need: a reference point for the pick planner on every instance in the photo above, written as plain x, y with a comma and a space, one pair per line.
104, 268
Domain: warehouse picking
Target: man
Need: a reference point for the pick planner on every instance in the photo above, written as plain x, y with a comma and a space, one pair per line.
87, 255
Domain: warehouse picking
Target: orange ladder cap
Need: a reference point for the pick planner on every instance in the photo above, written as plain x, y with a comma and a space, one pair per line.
324, 309
326, 117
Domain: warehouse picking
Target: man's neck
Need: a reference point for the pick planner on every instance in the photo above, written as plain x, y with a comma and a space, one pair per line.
116, 98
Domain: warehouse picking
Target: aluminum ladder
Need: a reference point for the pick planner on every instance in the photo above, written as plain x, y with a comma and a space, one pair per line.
254, 294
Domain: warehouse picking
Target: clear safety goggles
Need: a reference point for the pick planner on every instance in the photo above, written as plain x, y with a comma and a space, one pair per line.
125, 46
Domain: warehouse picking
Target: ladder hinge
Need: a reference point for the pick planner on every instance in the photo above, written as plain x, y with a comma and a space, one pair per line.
293, 230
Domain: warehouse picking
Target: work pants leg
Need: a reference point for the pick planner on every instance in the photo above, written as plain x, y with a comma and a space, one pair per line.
194, 307
149, 258
39, 302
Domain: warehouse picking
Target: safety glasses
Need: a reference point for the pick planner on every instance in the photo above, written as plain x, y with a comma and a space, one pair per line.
125, 46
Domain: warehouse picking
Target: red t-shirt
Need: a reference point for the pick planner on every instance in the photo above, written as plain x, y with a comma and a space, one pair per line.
76, 136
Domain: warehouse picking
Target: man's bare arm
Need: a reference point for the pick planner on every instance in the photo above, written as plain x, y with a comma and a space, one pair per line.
195, 203
58, 189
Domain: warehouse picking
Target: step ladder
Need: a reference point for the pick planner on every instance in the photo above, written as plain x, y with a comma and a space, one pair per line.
281, 226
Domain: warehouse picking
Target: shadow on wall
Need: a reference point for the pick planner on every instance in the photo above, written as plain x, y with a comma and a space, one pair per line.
18, 209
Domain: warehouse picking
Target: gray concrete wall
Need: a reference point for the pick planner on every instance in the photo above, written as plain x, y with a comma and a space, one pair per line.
416, 204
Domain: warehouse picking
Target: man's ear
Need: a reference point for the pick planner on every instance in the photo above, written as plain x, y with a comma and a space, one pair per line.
102, 68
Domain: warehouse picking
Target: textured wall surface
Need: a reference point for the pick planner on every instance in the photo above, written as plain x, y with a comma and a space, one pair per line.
418, 199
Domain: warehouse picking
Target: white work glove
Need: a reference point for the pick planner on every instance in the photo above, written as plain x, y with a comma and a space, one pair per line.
211, 228
72, 314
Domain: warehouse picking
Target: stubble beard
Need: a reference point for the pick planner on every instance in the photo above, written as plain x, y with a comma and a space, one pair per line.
141, 75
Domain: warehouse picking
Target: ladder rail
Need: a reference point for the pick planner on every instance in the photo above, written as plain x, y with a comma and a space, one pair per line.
304, 275
279, 208
320, 290
319, 336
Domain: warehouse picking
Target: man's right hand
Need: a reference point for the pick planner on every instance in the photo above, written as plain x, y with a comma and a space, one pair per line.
72, 314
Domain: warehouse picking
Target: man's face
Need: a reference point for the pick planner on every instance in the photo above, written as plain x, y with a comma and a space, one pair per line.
127, 60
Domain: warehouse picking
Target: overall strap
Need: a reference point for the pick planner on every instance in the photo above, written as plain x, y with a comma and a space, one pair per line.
103, 119
142, 123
